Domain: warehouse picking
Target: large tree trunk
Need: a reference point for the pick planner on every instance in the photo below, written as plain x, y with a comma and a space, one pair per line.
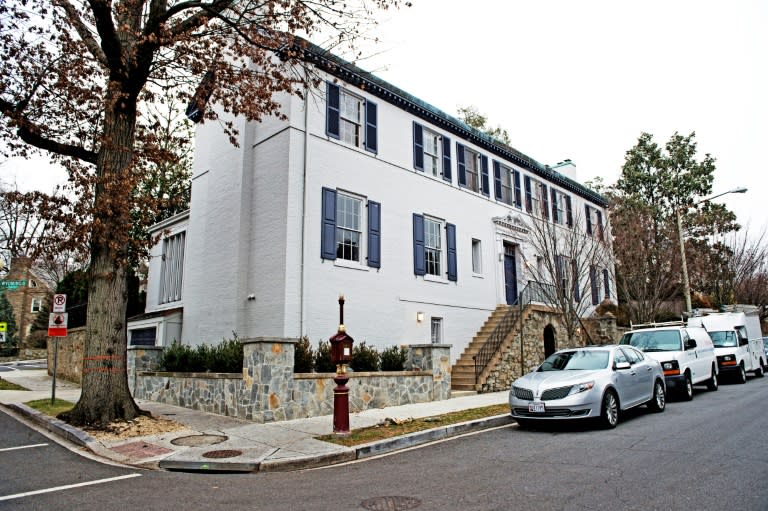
105, 396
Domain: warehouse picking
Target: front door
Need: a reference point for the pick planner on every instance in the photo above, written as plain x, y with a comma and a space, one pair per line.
510, 274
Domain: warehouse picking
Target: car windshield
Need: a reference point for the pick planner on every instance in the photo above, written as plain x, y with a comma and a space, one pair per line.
657, 340
724, 339
580, 360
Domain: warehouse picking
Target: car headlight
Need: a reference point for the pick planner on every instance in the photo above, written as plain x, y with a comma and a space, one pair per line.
728, 358
581, 387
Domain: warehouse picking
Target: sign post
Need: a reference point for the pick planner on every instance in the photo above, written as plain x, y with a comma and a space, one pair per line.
57, 327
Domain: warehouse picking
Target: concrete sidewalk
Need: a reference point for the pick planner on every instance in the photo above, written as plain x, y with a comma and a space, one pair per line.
218, 443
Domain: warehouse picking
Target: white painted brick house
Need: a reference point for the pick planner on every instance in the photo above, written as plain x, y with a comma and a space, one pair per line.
364, 191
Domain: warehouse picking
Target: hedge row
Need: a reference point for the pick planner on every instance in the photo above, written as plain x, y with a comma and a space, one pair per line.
364, 358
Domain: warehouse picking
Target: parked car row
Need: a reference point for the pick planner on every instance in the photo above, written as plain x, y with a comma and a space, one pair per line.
600, 382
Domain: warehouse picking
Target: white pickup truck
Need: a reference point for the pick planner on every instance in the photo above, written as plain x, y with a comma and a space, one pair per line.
738, 342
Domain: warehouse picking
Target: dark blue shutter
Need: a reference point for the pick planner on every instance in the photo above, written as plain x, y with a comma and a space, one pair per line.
568, 211
575, 277
528, 200
419, 262
371, 122
374, 234
418, 147
450, 242
332, 111
593, 284
497, 180
461, 164
544, 201
328, 232
447, 158
600, 224
607, 283
518, 193
555, 216
484, 182
589, 219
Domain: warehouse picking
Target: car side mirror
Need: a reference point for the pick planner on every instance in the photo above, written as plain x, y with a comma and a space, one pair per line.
690, 344
623, 365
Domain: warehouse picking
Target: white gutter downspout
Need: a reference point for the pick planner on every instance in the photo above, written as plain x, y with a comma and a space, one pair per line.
304, 204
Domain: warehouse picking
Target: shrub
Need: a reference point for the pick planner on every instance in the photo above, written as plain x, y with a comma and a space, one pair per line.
226, 357
323, 362
365, 358
37, 339
303, 356
393, 358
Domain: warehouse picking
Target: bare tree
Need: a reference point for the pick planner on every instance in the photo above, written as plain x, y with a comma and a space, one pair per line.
570, 266
73, 77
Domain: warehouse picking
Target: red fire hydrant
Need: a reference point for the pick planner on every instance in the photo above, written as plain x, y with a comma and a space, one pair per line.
341, 355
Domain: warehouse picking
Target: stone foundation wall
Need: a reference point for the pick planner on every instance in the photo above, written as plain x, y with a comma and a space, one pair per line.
602, 330
268, 389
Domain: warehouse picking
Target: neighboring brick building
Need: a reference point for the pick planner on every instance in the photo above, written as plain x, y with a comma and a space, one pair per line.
27, 291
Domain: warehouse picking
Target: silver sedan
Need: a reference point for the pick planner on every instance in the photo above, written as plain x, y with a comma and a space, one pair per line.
590, 382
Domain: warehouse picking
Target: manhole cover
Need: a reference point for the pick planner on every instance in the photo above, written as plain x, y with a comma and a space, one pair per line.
391, 503
224, 453
199, 440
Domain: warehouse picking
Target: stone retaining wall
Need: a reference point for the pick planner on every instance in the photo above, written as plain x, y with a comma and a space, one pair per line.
69, 361
268, 389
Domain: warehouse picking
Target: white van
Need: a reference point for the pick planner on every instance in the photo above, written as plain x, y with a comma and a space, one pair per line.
686, 354
738, 342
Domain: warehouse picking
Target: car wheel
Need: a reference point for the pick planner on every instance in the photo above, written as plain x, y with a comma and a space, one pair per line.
658, 402
741, 376
759, 371
609, 411
687, 392
712, 381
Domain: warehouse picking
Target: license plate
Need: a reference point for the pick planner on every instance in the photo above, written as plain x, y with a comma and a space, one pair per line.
536, 407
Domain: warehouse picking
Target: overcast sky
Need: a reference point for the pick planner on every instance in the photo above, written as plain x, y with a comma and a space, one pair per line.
582, 79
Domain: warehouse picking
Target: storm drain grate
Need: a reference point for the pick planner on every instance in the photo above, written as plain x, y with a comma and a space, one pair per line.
199, 440
224, 453
396, 503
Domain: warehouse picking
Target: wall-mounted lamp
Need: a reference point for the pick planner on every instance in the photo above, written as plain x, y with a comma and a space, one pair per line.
252, 296
419, 317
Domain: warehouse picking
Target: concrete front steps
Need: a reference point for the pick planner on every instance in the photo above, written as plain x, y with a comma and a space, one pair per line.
463, 371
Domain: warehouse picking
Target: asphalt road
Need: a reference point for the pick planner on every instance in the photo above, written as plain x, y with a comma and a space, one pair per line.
704, 454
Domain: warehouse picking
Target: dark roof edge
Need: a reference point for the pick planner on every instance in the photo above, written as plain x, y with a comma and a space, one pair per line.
374, 85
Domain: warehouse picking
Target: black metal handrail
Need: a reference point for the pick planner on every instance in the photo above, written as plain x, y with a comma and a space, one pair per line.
491, 346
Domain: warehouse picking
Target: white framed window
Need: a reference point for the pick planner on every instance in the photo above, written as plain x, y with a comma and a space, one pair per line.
351, 118
431, 152
472, 162
32, 283
433, 246
536, 195
594, 222
561, 208
477, 257
172, 268
349, 227
436, 330
507, 195
37, 304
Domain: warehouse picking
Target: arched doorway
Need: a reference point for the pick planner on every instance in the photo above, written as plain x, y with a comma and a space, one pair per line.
549, 340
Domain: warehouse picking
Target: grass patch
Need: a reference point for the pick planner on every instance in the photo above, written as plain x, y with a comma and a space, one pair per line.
389, 430
45, 406
6, 385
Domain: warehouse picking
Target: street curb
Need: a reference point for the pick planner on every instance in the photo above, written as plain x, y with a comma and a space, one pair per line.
56, 426
315, 461
431, 435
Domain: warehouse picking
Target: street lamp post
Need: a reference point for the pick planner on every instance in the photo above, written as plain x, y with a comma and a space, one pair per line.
686, 282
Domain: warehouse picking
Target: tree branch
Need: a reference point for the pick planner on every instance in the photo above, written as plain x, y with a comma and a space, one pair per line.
110, 43
82, 31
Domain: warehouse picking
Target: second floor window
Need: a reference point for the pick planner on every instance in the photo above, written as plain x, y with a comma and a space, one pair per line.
432, 246
172, 268
594, 219
561, 208
37, 304
350, 118
431, 152
536, 198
